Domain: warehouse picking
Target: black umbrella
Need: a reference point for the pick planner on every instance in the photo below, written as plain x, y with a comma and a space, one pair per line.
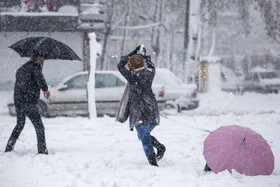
49, 47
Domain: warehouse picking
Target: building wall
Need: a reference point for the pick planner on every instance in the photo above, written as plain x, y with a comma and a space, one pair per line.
10, 61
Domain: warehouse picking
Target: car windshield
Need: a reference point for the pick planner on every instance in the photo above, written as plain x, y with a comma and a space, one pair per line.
104, 80
252, 77
78, 82
166, 77
53, 82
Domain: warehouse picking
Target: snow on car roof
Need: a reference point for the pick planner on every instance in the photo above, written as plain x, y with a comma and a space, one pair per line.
118, 74
165, 76
260, 69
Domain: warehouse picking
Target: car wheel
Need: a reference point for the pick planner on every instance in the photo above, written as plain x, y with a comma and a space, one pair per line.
172, 106
43, 109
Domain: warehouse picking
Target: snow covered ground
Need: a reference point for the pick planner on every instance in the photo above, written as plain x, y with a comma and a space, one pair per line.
101, 152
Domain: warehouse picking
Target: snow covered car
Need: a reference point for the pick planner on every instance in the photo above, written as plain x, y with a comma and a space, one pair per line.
230, 82
264, 81
69, 97
179, 96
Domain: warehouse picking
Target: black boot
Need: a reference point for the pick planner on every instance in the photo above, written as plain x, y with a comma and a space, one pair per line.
42, 149
10, 145
152, 159
206, 168
160, 148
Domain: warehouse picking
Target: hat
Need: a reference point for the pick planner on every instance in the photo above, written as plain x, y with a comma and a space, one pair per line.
36, 54
135, 62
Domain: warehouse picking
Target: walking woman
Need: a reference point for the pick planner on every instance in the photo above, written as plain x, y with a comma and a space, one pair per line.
142, 104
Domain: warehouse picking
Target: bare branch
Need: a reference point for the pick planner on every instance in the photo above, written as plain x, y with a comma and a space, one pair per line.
140, 26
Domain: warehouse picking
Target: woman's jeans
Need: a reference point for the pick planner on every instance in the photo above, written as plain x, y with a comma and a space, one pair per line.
144, 136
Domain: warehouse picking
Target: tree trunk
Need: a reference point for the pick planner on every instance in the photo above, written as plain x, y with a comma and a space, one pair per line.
186, 41
108, 26
156, 30
125, 30
212, 48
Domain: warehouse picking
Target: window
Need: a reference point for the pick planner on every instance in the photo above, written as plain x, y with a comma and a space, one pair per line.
78, 82
268, 75
252, 77
107, 80
120, 82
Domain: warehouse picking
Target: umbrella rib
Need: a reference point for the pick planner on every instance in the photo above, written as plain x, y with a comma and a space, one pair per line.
264, 160
245, 151
220, 132
252, 140
239, 156
255, 135
219, 146
226, 163
218, 155
262, 145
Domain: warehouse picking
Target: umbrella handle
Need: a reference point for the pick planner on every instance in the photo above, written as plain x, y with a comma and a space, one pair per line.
204, 130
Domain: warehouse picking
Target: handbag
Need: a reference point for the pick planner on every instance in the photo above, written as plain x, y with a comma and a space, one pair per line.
123, 109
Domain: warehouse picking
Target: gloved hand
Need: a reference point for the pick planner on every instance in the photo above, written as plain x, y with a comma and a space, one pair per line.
148, 57
124, 60
142, 51
149, 62
134, 51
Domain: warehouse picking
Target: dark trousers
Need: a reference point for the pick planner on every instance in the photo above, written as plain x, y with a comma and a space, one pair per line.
32, 112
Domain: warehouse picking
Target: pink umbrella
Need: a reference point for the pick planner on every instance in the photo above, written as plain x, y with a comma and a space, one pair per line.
239, 148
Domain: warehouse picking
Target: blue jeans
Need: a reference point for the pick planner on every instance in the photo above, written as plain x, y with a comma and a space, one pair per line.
144, 136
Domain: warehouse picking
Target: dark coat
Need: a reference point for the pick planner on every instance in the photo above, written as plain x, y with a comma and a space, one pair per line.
143, 108
29, 81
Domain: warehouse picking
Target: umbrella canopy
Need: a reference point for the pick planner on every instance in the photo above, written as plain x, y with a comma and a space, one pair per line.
239, 148
49, 47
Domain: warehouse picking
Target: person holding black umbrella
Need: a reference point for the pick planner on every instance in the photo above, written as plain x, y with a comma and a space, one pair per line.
29, 82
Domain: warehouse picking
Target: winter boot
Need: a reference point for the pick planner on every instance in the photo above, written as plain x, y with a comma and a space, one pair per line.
206, 168
152, 159
42, 149
160, 148
10, 145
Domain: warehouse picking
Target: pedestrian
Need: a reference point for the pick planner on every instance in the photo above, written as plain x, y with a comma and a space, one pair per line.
29, 82
142, 104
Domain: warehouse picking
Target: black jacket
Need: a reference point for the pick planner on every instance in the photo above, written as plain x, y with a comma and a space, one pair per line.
143, 108
29, 81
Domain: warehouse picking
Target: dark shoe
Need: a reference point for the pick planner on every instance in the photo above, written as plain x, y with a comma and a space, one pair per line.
152, 159
206, 168
42, 149
10, 146
160, 148
8, 149
160, 151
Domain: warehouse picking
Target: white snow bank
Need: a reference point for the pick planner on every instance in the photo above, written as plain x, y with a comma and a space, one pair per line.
106, 153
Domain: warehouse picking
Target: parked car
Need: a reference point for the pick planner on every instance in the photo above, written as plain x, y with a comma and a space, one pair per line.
230, 82
179, 96
264, 81
70, 96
